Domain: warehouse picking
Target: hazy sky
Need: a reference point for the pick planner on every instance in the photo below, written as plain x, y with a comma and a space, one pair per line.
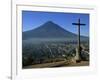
31, 20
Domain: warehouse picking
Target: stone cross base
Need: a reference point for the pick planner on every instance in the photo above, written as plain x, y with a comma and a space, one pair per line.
76, 58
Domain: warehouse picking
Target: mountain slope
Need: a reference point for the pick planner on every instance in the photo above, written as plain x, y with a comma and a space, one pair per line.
48, 30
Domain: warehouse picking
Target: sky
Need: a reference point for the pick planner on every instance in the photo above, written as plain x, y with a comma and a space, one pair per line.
33, 19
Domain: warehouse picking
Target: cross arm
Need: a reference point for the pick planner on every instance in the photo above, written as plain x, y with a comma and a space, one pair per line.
78, 24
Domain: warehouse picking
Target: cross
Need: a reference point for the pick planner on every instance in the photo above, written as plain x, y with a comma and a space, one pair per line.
79, 24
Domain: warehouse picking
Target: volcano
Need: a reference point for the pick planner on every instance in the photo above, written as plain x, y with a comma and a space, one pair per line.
49, 30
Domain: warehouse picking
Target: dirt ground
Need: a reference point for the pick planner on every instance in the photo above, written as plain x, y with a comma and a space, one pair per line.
58, 64
82, 63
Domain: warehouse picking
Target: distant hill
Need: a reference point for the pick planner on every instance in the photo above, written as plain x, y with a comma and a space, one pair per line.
49, 30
